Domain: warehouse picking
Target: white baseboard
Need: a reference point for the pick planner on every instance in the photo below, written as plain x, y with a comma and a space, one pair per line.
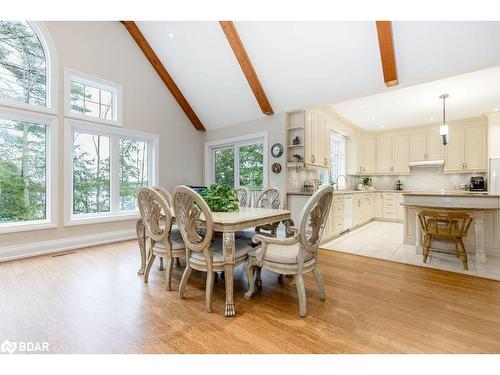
63, 244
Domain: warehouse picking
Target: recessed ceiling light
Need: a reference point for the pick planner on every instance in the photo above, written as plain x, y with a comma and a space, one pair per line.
431, 119
382, 126
496, 109
373, 117
171, 35
362, 107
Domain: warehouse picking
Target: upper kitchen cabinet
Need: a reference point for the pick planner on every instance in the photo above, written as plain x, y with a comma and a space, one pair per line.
466, 150
367, 155
384, 154
317, 140
392, 154
426, 145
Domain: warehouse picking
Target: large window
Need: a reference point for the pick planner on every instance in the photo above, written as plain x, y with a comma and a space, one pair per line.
23, 65
28, 129
238, 162
338, 158
107, 166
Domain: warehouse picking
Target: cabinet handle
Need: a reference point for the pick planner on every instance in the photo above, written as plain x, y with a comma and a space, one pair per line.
325, 162
466, 166
312, 158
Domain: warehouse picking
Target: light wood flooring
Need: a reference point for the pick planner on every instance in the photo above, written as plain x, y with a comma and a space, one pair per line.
92, 301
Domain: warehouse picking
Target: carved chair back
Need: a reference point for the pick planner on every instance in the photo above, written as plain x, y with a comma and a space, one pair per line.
194, 219
164, 193
270, 197
445, 223
313, 219
244, 196
155, 213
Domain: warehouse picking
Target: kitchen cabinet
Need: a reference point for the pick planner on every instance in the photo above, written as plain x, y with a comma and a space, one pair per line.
384, 154
466, 150
317, 140
367, 155
392, 154
426, 145
400, 154
378, 205
400, 210
362, 208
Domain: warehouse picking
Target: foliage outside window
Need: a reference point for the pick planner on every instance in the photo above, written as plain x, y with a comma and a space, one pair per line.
108, 167
91, 173
133, 171
23, 67
240, 165
337, 158
23, 179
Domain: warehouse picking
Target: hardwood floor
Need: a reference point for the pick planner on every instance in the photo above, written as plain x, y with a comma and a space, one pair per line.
92, 301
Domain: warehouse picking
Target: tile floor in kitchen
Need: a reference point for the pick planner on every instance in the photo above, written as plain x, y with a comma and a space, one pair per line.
384, 240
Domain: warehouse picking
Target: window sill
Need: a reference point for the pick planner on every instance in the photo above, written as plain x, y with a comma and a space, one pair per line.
96, 120
26, 226
84, 220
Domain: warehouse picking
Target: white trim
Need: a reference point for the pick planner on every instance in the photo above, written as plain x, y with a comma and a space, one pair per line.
63, 244
235, 141
52, 72
52, 171
115, 88
152, 140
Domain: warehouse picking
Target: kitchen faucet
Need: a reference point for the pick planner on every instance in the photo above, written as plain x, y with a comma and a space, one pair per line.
337, 182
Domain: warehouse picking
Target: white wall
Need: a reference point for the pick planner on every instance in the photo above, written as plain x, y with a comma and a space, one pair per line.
106, 50
275, 128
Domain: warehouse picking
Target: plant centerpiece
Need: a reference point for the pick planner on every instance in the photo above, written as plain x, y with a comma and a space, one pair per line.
366, 182
220, 198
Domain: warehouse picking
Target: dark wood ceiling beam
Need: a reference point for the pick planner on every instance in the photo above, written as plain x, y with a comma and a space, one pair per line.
246, 65
163, 73
387, 55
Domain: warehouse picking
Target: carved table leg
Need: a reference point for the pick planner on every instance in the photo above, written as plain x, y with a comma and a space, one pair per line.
479, 234
161, 265
141, 238
229, 250
177, 262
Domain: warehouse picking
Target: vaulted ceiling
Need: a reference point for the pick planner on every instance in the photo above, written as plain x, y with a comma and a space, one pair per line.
303, 64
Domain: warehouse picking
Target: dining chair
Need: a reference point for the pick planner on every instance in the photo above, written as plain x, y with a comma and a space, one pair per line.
296, 255
161, 239
203, 251
451, 225
244, 196
270, 197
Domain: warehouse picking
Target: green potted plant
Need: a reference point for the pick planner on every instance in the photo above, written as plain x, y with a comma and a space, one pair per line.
220, 198
366, 182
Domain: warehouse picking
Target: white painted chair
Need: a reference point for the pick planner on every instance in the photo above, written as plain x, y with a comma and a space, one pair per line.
203, 252
161, 239
295, 255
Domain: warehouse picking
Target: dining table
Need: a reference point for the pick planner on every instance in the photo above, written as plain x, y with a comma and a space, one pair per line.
228, 223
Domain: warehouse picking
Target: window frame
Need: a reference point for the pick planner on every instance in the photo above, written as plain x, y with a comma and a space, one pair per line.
52, 75
87, 79
51, 171
336, 134
115, 135
235, 143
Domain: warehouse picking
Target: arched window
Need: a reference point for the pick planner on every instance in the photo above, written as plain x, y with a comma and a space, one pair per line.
23, 64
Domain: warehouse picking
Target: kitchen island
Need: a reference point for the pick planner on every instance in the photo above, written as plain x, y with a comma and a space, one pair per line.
484, 234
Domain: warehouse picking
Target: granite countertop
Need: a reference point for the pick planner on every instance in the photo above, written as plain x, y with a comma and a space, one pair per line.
452, 193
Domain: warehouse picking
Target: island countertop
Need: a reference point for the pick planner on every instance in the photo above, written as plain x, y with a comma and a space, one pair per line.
452, 193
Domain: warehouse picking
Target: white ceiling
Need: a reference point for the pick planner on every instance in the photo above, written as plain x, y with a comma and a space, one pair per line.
471, 95
303, 64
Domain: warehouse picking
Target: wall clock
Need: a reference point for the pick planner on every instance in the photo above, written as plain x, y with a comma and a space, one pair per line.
277, 150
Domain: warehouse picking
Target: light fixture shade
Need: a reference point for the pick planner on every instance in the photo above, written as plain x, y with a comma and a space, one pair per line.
443, 130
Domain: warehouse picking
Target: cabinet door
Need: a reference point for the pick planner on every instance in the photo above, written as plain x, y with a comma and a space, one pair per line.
377, 211
435, 149
400, 210
384, 154
324, 141
417, 146
401, 154
353, 159
308, 151
454, 153
357, 209
475, 149
369, 155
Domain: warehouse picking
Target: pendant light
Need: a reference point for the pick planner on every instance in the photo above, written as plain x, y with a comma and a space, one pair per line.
443, 129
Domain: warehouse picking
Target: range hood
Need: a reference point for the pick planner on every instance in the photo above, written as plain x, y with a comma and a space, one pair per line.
427, 163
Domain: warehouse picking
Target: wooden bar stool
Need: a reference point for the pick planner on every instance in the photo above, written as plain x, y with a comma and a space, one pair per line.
445, 224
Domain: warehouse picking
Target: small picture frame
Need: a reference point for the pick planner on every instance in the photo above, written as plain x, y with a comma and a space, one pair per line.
276, 168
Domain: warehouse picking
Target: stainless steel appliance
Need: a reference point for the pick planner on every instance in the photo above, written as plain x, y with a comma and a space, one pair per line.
477, 183
398, 185
494, 179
